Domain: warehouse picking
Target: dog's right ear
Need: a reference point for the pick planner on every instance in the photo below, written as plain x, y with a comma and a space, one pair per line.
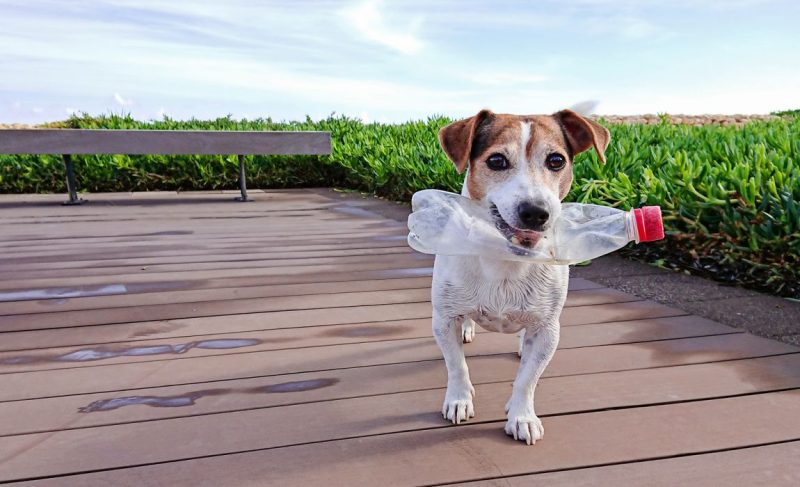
456, 139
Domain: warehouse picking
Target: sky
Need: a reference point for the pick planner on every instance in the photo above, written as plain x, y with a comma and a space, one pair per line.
394, 60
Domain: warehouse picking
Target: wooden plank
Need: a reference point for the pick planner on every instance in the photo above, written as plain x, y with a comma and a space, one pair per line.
260, 308
468, 451
177, 371
154, 241
280, 274
490, 374
128, 289
321, 216
17, 237
383, 294
66, 232
575, 298
214, 308
83, 141
159, 251
104, 334
296, 263
368, 415
44, 303
603, 313
770, 465
213, 224
85, 262
99, 334
55, 305
147, 247
283, 339
206, 207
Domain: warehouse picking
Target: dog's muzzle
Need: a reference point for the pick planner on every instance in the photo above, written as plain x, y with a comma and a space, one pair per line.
516, 236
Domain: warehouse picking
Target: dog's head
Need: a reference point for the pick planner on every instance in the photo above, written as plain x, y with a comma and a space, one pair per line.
520, 167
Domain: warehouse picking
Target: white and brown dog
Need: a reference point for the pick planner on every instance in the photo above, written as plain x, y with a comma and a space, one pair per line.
519, 167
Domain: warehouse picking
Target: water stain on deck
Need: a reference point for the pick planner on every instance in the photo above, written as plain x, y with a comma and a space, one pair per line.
296, 386
62, 293
92, 354
153, 401
190, 398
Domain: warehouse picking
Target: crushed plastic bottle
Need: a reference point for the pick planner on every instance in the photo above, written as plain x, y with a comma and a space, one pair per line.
450, 224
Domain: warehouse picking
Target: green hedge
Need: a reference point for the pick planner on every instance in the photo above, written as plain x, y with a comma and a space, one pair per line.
731, 196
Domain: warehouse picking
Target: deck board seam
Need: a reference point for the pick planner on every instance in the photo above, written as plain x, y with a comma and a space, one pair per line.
288, 374
386, 340
444, 424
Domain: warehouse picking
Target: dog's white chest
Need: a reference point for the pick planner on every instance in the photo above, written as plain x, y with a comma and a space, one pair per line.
502, 296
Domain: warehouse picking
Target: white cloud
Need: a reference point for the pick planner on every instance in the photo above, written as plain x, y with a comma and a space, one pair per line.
242, 57
123, 102
369, 22
499, 77
625, 26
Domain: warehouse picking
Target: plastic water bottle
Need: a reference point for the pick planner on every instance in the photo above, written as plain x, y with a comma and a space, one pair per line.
450, 224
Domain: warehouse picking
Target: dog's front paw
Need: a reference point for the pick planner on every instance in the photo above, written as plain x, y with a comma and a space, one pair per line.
457, 405
468, 331
527, 428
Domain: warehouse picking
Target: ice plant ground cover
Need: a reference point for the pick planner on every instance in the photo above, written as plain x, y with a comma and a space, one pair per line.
730, 195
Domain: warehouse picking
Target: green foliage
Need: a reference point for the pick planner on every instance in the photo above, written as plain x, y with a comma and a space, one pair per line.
730, 196
788, 113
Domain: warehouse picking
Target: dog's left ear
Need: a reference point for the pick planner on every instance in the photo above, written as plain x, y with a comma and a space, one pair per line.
582, 133
456, 139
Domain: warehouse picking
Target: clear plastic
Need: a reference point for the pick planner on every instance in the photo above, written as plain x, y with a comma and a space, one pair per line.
450, 224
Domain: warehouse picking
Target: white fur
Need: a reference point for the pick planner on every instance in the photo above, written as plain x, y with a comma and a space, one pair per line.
501, 296
526, 184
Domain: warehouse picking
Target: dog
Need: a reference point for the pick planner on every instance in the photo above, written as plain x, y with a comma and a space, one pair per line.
520, 169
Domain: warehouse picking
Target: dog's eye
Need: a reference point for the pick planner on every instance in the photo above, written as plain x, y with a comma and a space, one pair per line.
497, 162
555, 162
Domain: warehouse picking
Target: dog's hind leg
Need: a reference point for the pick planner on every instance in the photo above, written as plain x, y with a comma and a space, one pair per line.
467, 330
538, 348
457, 405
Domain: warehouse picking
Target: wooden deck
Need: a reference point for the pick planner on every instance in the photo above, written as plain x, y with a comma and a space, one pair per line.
163, 339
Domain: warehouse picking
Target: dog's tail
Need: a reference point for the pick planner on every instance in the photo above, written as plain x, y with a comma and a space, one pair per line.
585, 108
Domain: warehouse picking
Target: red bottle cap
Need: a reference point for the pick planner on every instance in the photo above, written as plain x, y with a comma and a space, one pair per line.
648, 223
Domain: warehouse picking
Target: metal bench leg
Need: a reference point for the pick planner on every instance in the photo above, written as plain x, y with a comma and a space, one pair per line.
71, 186
242, 181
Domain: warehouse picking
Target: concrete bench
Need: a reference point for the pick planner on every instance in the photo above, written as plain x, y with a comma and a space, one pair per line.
68, 142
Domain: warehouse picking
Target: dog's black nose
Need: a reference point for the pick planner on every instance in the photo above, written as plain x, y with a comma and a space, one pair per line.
532, 217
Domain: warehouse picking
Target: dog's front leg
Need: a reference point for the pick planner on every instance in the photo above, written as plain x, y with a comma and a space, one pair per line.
538, 348
457, 405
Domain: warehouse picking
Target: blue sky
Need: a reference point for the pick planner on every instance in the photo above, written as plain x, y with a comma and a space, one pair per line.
394, 60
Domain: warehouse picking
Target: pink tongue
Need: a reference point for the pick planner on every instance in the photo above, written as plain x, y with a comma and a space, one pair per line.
527, 238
